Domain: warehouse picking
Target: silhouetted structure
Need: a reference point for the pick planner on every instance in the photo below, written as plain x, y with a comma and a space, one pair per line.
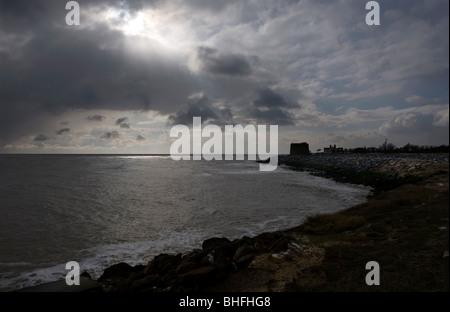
333, 149
300, 149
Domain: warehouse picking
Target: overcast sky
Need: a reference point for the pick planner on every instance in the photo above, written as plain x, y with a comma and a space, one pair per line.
132, 69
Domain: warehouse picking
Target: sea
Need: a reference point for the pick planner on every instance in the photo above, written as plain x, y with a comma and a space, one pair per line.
100, 210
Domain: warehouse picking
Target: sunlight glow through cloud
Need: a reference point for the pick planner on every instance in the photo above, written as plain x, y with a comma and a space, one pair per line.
155, 25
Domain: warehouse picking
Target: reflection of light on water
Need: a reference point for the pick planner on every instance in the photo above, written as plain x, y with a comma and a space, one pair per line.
143, 157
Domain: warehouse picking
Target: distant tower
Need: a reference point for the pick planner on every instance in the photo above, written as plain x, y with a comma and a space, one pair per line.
300, 149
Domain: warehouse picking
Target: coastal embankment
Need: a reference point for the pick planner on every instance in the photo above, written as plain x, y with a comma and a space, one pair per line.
403, 227
381, 171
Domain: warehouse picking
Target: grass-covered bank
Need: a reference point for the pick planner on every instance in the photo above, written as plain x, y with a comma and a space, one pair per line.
405, 230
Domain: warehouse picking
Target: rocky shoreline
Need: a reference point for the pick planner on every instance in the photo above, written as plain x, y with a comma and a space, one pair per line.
404, 227
381, 171
370, 161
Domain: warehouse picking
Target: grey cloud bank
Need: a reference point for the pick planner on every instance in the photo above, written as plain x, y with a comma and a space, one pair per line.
312, 67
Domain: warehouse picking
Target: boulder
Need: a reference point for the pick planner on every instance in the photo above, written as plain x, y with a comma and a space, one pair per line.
148, 282
199, 276
120, 271
244, 260
162, 264
213, 243
242, 251
186, 266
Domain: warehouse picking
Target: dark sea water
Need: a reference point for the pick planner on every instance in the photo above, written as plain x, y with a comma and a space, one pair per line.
101, 210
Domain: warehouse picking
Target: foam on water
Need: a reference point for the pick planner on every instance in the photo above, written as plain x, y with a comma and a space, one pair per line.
10, 280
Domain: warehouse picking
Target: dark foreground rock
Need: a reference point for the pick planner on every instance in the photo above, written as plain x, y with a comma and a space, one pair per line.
194, 271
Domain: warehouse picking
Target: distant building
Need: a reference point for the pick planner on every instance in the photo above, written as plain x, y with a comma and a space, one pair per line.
300, 149
333, 149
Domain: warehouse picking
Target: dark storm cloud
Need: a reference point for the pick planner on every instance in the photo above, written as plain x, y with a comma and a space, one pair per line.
96, 118
73, 70
122, 123
20, 16
209, 5
110, 135
269, 98
62, 131
57, 68
201, 107
271, 107
69, 71
41, 137
223, 64
273, 116
25, 13
140, 138
121, 120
